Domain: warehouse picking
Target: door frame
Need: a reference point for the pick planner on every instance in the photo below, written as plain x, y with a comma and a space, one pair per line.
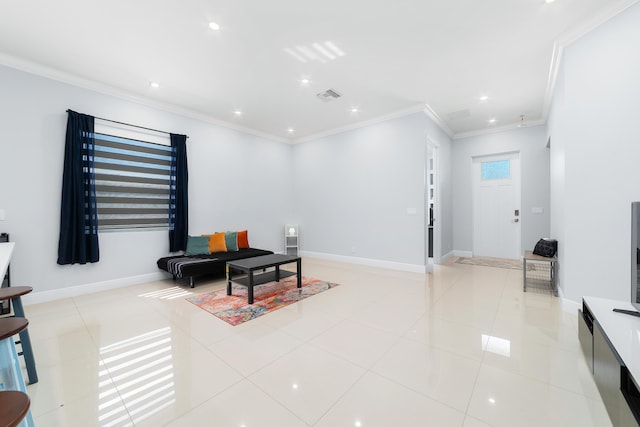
437, 228
493, 156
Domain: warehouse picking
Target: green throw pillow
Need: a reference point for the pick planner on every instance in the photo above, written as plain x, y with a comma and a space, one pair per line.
231, 239
197, 245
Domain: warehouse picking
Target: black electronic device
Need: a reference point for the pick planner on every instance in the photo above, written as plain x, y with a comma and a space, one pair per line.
635, 261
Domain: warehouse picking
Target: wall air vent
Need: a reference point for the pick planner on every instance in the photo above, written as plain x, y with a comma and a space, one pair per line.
328, 95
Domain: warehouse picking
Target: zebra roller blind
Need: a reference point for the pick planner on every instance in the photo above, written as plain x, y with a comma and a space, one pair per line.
132, 183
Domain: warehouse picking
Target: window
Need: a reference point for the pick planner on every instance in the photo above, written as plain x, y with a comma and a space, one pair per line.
499, 169
132, 183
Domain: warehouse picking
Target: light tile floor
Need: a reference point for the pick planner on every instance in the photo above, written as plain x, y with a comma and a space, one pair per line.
463, 346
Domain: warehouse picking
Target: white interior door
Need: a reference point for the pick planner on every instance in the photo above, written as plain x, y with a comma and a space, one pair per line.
496, 206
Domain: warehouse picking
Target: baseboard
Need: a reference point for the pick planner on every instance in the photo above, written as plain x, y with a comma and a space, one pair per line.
414, 268
446, 257
465, 254
568, 306
74, 291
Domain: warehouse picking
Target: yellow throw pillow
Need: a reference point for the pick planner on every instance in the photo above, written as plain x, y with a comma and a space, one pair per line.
217, 243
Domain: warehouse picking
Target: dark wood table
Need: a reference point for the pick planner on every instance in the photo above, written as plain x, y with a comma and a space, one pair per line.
250, 265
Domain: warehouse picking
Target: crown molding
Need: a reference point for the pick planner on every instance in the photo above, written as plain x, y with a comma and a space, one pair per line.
437, 120
571, 36
81, 82
499, 129
586, 27
361, 124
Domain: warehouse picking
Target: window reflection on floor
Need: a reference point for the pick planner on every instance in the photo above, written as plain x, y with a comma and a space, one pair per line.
496, 345
136, 372
171, 293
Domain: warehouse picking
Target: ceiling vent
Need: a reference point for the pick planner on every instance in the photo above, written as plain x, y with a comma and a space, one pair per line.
328, 95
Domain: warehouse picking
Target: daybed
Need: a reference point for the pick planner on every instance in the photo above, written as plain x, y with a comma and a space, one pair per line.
191, 266
208, 254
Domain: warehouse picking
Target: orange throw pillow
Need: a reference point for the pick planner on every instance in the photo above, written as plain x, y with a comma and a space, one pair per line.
217, 243
243, 239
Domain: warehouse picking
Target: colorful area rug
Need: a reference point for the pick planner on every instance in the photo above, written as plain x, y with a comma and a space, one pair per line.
234, 309
491, 262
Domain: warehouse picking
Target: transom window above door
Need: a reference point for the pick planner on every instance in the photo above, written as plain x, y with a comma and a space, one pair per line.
498, 169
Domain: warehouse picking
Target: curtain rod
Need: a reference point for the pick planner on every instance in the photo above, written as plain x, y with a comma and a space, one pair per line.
128, 124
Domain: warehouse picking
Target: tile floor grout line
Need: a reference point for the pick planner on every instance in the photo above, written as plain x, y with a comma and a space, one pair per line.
417, 391
102, 363
276, 400
341, 397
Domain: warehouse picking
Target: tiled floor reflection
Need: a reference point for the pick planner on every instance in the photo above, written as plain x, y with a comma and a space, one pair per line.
139, 373
462, 347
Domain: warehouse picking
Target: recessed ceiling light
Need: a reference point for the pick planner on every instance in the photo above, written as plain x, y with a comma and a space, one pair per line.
305, 81
549, 1
291, 130
214, 26
154, 85
355, 110
237, 113
484, 98
492, 121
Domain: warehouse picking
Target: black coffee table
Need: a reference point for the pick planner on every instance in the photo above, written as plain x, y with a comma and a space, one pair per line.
250, 265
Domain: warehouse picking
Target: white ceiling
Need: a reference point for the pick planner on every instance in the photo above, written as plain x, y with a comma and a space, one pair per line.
399, 56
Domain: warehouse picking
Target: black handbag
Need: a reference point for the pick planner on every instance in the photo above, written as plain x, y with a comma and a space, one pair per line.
546, 248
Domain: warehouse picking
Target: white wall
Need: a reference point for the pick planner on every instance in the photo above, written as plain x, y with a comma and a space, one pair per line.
558, 135
530, 142
352, 191
236, 181
595, 139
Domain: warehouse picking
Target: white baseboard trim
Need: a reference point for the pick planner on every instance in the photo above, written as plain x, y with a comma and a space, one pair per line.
89, 288
446, 257
568, 306
465, 254
414, 268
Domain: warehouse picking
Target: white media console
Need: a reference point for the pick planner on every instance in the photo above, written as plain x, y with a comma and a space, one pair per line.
611, 344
